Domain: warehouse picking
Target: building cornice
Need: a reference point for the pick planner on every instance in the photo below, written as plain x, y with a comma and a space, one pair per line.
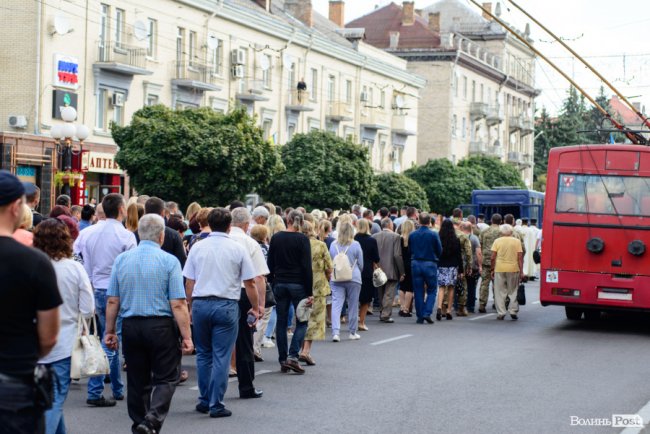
298, 34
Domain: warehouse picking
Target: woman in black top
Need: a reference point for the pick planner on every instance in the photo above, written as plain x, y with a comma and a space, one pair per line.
370, 262
406, 285
450, 267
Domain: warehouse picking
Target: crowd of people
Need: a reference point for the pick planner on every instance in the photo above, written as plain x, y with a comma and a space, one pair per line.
222, 283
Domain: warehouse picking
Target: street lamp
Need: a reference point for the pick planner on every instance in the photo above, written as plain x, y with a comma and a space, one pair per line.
64, 135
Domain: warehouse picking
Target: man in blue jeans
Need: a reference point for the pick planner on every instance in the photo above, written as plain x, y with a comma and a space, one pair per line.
215, 270
99, 245
425, 248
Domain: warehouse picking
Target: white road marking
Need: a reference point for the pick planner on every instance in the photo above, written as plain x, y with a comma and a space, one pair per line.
536, 302
385, 341
645, 415
482, 316
232, 380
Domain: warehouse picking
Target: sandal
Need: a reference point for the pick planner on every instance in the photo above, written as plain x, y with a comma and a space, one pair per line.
307, 359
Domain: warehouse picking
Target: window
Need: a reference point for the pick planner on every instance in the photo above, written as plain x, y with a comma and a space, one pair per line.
348, 91
463, 132
291, 130
152, 100
118, 112
151, 38
192, 49
180, 46
473, 90
371, 97
472, 133
332, 127
348, 133
456, 85
454, 125
331, 88
267, 124
104, 30
464, 87
314, 84
119, 28
100, 110
266, 73
383, 148
482, 93
217, 58
382, 99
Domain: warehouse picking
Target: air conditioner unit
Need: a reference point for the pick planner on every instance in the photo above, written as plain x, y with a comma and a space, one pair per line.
117, 100
238, 71
364, 96
238, 56
17, 121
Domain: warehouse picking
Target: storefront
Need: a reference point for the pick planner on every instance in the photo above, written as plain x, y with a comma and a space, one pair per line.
102, 176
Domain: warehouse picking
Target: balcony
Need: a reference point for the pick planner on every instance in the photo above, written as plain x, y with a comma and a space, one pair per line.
298, 101
514, 123
251, 90
195, 76
477, 147
404, 125
338, 111
515, 158
494, 116
374, 119
527, 126
478, 110
528, 160
122, 59
495, 151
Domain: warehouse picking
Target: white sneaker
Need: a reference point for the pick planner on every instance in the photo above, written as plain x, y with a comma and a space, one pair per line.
267, 343
336, 338
354, 337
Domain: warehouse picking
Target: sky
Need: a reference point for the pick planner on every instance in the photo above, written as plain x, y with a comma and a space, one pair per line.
611, 36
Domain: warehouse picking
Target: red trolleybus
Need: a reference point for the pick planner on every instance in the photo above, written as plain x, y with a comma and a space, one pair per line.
596, 230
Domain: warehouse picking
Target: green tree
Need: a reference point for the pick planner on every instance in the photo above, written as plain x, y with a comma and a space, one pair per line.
495, 172
195, 154
395, 189
544, 139
571, 120
322, 170
446, 185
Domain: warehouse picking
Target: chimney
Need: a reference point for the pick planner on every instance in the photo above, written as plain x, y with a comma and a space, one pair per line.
337, 12
408, 13
266, 4
301, 10
488, 7
434, 22
394, 40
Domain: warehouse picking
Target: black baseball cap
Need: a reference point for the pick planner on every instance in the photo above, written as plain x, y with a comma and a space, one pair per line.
10, 187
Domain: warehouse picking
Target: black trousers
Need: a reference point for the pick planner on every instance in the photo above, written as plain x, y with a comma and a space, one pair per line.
244, 352
151, 348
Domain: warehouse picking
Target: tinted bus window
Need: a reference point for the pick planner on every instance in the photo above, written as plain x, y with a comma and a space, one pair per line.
603, 194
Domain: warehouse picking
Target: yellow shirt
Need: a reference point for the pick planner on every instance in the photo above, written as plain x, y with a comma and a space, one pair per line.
507, 260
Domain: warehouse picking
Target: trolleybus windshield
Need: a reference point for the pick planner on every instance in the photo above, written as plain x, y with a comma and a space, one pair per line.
603, 194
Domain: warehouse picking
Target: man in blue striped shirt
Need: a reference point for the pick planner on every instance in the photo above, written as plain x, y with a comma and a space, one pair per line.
146, 288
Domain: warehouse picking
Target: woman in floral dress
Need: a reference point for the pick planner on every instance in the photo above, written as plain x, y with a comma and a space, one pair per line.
322, 269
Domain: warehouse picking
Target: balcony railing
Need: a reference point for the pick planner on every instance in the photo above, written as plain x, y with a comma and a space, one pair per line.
514, 123
477, 147
298, 100
374, 118
251, 90
514, 158
338, 111
527, 126
194, 75
404, 125
494, 116
122, 58
478, 110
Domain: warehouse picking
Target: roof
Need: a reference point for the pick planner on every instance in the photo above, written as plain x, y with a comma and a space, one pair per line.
381, 22
627, 115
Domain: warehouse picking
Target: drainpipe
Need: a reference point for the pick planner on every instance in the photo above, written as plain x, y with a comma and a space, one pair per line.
37, 96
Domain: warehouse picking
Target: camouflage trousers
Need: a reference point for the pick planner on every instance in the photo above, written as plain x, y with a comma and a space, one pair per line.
461, 293
486, 278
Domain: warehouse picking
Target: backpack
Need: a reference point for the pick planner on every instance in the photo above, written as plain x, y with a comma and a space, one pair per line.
342, 267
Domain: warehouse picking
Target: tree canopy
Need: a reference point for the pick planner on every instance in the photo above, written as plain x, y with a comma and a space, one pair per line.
322, 170
447, 185
495, 172
195, 154
394, 189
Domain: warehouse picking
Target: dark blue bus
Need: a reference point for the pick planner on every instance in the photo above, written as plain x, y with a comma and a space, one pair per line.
506, 200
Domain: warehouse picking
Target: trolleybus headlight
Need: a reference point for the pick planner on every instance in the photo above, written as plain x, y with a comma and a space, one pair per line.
595, 245
636, 248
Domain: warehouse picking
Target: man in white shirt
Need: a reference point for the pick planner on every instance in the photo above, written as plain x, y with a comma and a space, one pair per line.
244, 352
99, 245
214, 270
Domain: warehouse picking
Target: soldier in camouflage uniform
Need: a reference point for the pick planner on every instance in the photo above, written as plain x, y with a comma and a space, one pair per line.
466, 253
487, 238
475, 230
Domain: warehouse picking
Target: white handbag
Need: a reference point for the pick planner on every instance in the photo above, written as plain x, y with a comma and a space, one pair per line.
379, 278
88, 357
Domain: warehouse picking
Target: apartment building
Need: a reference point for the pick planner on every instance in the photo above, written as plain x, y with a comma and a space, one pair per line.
109, 58
479, 97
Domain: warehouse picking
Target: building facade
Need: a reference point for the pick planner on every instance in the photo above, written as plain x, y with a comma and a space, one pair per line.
110, 58
479, 97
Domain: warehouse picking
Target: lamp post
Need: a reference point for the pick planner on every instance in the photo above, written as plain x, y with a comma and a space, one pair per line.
64, 135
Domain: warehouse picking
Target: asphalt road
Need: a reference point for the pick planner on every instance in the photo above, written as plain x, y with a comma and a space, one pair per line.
468, 375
